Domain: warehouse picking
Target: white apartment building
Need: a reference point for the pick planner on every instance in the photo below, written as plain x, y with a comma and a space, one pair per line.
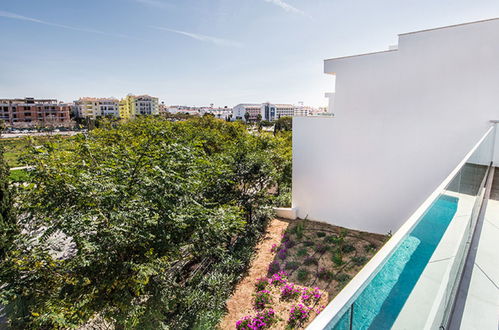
253, 110
411, 150
269, 111
192, 111
220, 113
90, 107
145, 105
273, 112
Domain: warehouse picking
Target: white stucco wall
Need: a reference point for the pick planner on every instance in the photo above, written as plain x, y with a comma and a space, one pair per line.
403, 120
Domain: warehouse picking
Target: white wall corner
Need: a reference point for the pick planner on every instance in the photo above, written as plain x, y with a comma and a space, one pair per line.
286, 212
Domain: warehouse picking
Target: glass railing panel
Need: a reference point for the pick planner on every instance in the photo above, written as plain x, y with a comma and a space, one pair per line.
393, 298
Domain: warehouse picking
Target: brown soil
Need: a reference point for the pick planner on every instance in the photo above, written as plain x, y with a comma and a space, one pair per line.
241, 301
337, 254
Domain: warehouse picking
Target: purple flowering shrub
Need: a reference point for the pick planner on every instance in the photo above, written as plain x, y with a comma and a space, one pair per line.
261, 320
262, 299
320, 248
261, 283
310, 295
282, 253
279, 278
298, 314
289, 291
274, 248
290, 243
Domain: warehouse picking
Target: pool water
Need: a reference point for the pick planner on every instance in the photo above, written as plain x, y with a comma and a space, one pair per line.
379, 304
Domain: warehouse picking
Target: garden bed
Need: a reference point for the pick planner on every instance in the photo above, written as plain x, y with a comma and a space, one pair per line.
306, 258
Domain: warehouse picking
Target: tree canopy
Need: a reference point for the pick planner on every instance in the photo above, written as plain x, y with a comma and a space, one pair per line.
146, 224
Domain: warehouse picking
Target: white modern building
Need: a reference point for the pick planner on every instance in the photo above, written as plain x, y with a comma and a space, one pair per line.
193, 111
411, 150
269, 111
273, 112
253, 110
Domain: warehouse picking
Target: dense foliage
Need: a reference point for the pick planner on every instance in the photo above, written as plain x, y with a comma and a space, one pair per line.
8, 227
146, 224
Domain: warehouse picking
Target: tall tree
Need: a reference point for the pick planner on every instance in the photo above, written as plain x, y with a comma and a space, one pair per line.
7, 219
156, 219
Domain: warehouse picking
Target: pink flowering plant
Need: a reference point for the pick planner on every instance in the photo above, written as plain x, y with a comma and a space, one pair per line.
279, 278
310, 295
274, 248
261, 283
298, 314
262, 299
261, 320
289, 291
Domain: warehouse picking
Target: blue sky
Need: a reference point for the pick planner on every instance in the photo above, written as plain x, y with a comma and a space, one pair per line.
197, 52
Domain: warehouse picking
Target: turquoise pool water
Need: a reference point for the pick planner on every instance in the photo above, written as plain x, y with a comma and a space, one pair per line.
378, 306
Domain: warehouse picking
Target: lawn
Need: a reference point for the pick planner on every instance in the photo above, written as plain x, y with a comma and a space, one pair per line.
14, 147
296, 260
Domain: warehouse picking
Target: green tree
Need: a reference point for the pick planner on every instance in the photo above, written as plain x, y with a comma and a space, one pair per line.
246, 116
283, 124
156, 219
7, 219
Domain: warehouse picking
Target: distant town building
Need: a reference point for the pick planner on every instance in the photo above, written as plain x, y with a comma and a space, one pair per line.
253, 110
90, 107
272, 112
163, 109
31, 112
220, 113
269, 111
133, 105
193, 111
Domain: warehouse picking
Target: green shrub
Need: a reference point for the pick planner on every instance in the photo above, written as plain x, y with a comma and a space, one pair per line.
292, 265
325, 275
370, 247
359, 261
302, 252
299, 229
343, 278
308, 243
332, 239
302, 275
338, 259
310, 261
347, 248
320, 234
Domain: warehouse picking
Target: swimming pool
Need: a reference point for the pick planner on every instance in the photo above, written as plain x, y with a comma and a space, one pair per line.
379, 304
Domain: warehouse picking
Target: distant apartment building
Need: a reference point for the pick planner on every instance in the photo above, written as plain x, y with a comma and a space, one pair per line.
163, 109
303, 111
193, 111
273, 112
30, 112
90, 107
240, 110
269, 111
137, 105
220, 113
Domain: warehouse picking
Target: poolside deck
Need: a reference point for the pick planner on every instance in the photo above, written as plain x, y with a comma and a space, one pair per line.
478, 300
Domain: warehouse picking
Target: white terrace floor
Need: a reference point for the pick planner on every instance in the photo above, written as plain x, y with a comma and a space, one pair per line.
478, 301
